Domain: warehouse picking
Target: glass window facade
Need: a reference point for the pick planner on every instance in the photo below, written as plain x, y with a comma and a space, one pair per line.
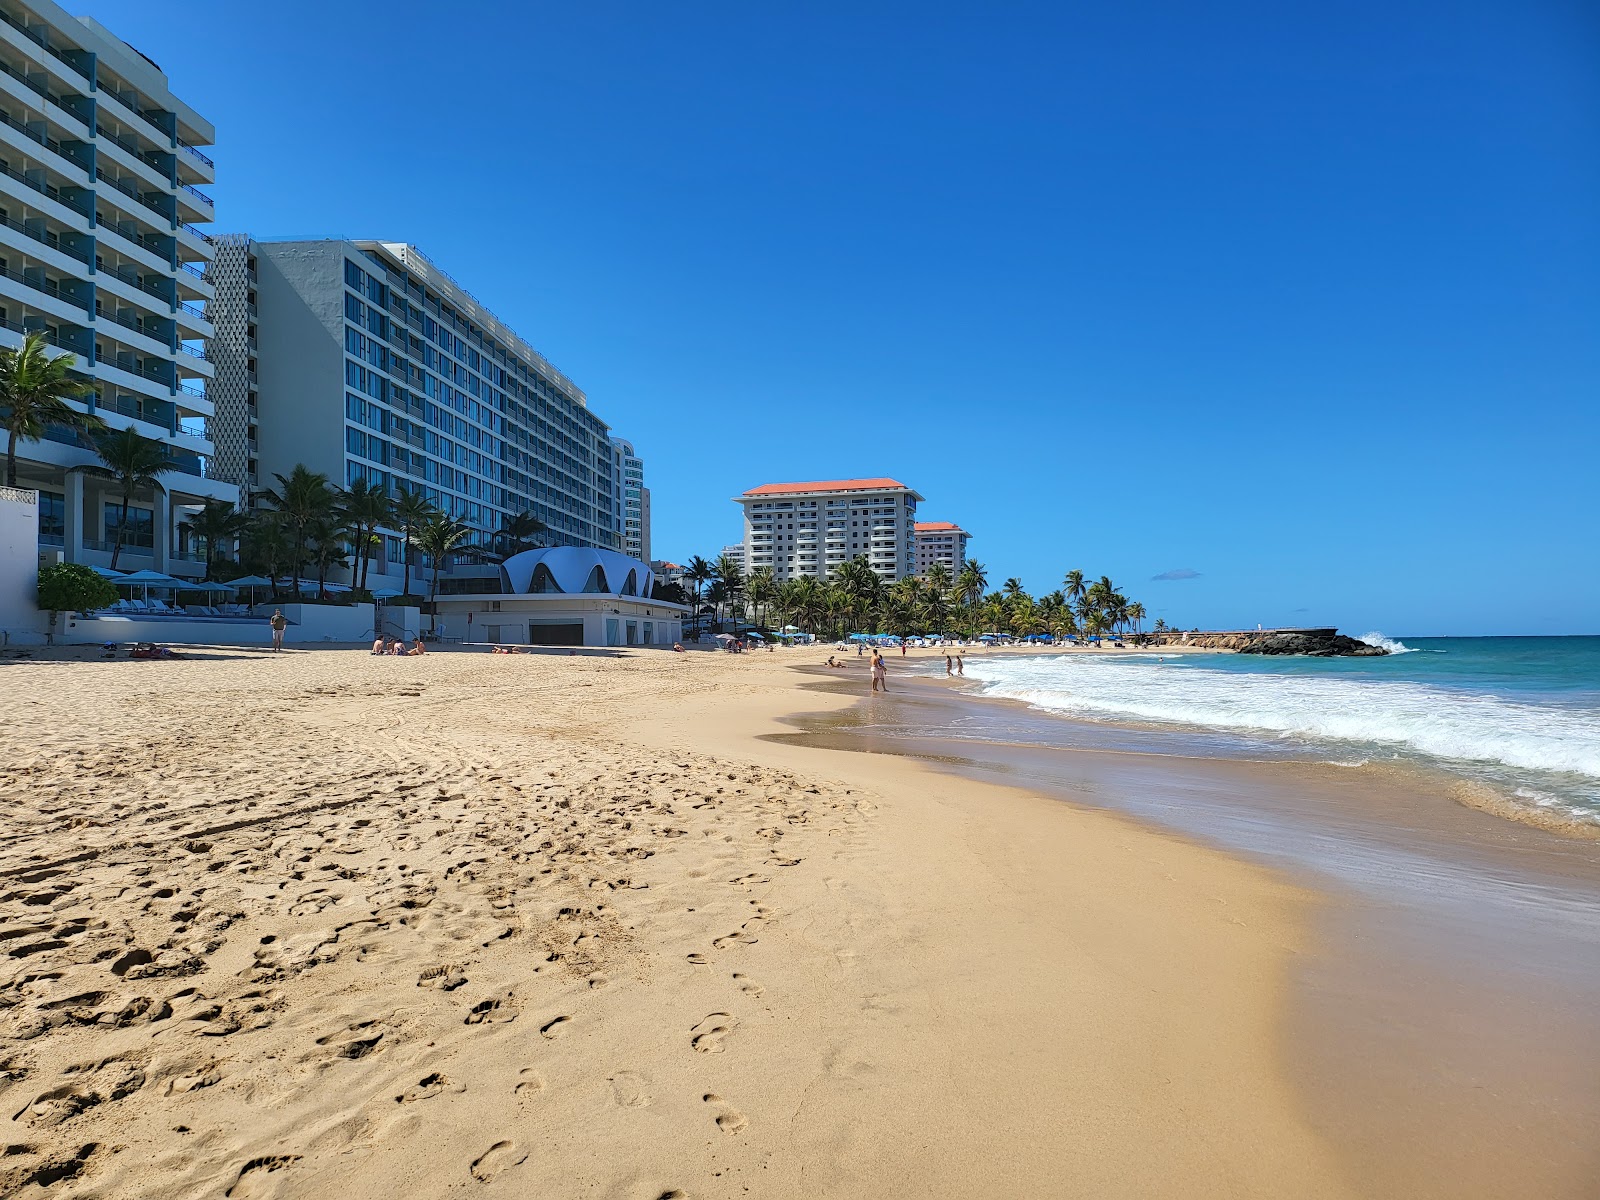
440, 405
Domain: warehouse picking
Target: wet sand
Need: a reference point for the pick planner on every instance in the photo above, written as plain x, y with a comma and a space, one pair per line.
1441, 1030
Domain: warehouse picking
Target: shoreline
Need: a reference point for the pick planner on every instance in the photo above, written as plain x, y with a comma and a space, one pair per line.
1434, 932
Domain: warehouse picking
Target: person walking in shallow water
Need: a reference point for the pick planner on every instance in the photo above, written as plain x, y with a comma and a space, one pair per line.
961, 666
279, 623
880, 672
949, 665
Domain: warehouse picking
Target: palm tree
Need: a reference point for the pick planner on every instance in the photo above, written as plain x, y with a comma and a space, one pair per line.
716, 594
363, 507
438, 539
325, 539
302, 498
731, 574
699, 573
1073, 585
265, 544
216, 522
762, 589
521, 532
412, 510
34, 390
136, 464
970, 582
937, 577
1135, 612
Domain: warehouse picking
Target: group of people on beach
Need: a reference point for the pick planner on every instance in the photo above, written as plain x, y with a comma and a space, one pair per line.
384, 644
953, 666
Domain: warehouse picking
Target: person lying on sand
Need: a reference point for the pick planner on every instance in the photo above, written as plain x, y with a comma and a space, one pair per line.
677, 648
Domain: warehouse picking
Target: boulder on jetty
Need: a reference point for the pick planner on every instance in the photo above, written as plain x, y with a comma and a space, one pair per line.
1317, 643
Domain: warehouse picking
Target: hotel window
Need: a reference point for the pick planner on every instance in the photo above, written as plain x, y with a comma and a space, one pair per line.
52, 518
141, 526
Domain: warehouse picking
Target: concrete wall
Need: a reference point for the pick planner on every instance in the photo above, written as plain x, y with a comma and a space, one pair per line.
596, 613
311, 623
300, 358
21, 623
110, 627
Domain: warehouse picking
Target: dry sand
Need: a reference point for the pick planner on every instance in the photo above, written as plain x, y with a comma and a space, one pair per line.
322, 924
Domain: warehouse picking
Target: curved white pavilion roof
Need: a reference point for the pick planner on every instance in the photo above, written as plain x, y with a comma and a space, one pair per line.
577, 570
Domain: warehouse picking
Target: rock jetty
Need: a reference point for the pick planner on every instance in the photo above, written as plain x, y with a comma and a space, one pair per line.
1317, 643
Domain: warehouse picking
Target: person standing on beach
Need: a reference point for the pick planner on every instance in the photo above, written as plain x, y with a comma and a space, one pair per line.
880, 672
279, 623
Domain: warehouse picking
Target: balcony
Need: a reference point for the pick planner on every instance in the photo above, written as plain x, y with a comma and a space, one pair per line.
130, 366
41, 284
78, 204
33, 37
194, 153
127, 189
205, 202
45, 140
36, 230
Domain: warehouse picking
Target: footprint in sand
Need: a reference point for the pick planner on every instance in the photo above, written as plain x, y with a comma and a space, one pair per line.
747, 985
699, 960
628, 1089
707, 1037
497, 1158
730, 1120
249, 1182
740, 936
427, 1088
555, 1028
529, 1083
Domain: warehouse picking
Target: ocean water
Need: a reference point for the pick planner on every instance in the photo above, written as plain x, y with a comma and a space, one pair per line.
1518, 715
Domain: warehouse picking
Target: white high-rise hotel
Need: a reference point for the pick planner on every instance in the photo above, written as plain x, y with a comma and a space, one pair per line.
100, 174
363, 360
632, 498
813, 528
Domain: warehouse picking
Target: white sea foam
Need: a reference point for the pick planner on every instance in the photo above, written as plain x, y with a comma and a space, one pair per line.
1390, 644
1375, 714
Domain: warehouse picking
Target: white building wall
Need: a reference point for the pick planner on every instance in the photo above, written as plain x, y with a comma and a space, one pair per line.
814, 532
104, 256
21, 622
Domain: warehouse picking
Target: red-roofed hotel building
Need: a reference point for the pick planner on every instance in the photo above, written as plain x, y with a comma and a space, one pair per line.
941, 542
813, 528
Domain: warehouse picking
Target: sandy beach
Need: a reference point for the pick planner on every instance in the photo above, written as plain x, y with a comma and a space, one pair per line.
322, 924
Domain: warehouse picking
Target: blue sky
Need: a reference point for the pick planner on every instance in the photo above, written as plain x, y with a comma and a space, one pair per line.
1300, 301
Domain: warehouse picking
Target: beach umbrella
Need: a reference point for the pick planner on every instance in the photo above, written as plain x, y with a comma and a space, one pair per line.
250, 582
106, 573
387, 593
145, 580
207, 586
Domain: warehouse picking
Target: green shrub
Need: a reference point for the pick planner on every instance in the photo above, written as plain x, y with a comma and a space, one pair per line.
73, 587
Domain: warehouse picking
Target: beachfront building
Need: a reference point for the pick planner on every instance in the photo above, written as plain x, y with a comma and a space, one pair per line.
813, 528
941, 542
632, 499
363, 360
100, 251
566, 596
734, 552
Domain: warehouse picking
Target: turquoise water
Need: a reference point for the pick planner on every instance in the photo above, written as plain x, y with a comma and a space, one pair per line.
1521, 715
